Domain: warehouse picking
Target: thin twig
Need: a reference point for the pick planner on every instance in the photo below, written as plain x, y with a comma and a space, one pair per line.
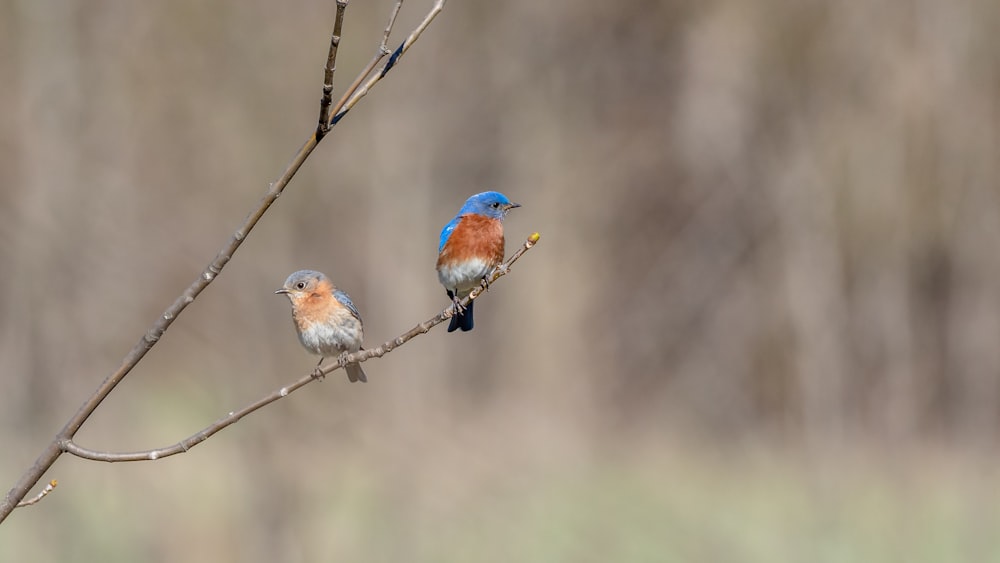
392, 22
422, 328
329, 70
41, 494
56, 447
362, 91
69, 446
380, 53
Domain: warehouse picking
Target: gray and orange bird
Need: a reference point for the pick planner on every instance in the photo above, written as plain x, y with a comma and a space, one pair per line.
327, 322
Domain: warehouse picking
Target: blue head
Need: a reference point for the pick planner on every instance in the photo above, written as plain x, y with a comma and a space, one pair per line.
494, 205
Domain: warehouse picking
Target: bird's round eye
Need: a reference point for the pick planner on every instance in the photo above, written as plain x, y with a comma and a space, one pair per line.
495, 205
300, 285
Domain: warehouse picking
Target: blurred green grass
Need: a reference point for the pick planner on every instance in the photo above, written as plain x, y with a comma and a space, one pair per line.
673, 505
726, 511
734, 512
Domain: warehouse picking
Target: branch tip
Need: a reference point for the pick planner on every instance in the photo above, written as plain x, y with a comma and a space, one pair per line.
41, 494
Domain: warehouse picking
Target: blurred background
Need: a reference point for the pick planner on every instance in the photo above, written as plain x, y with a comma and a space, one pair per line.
762, 323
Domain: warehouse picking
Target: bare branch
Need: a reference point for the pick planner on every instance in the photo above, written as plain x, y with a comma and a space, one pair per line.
380, 53
363, 90
422, 328
331, 67
149, 339
388, 26
41, 494
69, 446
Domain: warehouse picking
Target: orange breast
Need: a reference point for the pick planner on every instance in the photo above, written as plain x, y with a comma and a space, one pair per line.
475, 236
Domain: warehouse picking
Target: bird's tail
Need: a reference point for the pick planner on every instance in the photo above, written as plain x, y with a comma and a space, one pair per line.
462, 320
355, 373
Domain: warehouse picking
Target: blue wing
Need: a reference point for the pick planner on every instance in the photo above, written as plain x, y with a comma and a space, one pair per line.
346, 301
446, 232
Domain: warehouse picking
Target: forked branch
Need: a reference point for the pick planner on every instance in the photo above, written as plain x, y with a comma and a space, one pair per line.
59, 444
331, 68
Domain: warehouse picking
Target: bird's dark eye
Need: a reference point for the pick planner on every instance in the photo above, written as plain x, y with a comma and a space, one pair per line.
495, 205
300, 285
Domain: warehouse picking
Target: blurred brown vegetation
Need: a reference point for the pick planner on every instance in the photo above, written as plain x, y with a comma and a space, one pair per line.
763, 322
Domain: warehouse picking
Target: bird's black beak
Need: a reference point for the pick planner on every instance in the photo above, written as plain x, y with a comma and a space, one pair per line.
282, 290
511, 206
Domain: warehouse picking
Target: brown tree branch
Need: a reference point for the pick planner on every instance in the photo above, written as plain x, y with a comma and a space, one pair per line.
392, 22
380, 53
331, 67
56, 447
69, 446
352, 97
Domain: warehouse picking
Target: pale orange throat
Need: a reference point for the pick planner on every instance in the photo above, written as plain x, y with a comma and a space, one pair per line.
311, 309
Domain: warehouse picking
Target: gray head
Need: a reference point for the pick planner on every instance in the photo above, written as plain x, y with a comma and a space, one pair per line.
304, 283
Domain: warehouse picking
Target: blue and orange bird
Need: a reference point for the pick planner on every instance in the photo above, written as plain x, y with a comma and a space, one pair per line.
471, 246
326, 320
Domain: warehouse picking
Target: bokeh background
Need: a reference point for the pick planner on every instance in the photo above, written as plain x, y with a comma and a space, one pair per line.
762, 324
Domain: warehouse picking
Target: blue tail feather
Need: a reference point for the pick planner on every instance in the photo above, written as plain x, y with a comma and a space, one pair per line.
462, 320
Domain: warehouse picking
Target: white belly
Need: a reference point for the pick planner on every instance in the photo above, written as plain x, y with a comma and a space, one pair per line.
464, 276
329, 340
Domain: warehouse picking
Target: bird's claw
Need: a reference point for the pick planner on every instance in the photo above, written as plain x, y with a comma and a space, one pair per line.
485, 282
457, 303
318, 374
342, 359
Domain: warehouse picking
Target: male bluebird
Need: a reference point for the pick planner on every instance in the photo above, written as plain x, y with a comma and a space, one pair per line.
471, 246
327, 321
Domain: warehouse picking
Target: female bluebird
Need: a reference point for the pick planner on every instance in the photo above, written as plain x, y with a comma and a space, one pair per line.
327, 321
471, 245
